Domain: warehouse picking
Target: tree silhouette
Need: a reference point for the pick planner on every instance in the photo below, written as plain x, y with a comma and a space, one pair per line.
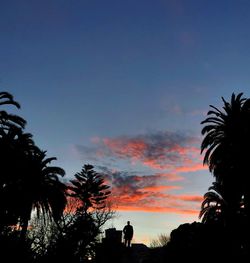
227, 143
42, 190
92, 210
160, 241
14, 148
88, 187
13, 144
213, 207
9, 120
27, 182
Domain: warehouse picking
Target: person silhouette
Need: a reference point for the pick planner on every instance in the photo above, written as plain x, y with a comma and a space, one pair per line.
128, 232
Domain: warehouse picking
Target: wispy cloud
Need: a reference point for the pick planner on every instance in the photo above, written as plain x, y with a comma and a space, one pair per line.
155, 209
174, 152
149, 193
168, 156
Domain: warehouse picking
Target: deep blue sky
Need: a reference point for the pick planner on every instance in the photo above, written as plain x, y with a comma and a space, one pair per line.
114, 82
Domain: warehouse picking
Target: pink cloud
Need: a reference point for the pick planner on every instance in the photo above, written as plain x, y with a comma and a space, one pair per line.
161, 151
168, 154
156, 209
191, 168
191, 198
158, 188
151, 193
157, 202
147, 194
171, 177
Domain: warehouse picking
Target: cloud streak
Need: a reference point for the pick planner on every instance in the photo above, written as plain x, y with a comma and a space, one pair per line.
149, 193
163, 151
167, 155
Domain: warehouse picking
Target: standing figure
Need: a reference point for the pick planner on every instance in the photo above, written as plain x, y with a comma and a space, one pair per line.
128, 232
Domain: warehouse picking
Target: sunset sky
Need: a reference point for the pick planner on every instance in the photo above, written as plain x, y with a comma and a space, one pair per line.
124, 85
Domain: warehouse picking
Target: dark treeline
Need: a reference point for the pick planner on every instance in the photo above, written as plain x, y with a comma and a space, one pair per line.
224, 231
43, 219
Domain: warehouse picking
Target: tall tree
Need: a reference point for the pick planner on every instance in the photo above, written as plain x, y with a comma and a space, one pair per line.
11, 137
14, 149
226, 145
92, 210
42, 190
89, 187
26, 179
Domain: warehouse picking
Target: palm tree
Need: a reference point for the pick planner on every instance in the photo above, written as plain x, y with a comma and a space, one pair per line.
42, 190
226, 145
14, 148
213, 206
27, 181
9, 120
89, 188
11, 134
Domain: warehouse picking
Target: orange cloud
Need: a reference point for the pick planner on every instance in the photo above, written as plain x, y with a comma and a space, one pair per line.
157, 188
164, 151
168, 154
191, 168
135, 196
140, 193
191, 198
158, 210
171, 177
131, 149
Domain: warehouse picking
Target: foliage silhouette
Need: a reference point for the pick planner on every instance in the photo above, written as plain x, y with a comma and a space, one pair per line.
28, 176
69, 219
74, 241
74, 237
42, 190
160, 241
89, 188
27, 182
226, 145
15, 146
8, 120
213, 207
93, 209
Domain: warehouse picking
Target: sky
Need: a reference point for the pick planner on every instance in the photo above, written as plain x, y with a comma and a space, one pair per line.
124, 86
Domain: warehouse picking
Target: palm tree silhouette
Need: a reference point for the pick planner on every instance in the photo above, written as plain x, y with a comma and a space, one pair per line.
11, 136
9, 120
27, 181
14, 148
227, 143
213, 207
42, 190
